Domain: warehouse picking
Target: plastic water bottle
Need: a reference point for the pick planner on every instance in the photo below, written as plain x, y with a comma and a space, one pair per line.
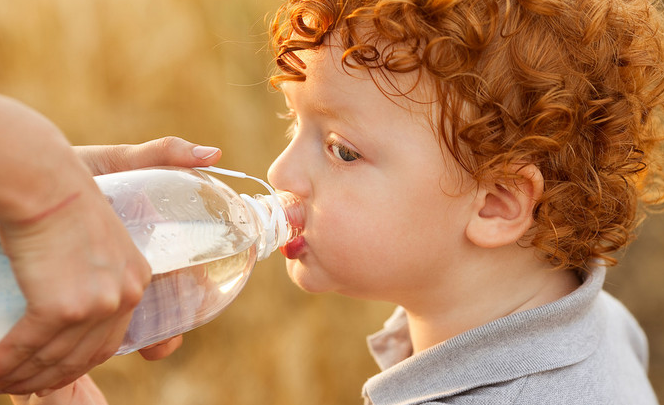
199, 236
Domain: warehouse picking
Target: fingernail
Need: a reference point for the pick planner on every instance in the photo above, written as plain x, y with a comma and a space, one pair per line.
204, 152
44, 393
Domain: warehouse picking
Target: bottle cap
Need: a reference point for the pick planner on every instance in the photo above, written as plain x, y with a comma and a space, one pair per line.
271, 212
273, 221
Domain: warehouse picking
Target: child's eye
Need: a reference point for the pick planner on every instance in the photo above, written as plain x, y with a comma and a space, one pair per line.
341, 152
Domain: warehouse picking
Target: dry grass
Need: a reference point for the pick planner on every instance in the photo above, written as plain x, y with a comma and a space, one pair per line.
126, 71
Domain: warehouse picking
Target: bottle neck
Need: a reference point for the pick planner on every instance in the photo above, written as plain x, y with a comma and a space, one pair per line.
280, 218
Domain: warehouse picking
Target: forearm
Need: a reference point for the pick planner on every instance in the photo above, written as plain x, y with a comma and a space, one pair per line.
38, 168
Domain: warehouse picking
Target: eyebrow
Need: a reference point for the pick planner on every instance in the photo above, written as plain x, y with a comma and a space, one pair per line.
319, 107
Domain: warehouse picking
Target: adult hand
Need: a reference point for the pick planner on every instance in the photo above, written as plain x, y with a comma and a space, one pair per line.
79, 271
84, 391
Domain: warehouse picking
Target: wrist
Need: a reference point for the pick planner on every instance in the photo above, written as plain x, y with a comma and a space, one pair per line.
49, 211
38, 167
51, 223
36, 191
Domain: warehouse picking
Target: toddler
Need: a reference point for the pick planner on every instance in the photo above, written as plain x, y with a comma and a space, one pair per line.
476, 162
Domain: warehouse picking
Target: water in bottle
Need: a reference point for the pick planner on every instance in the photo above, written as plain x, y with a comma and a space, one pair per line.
200, 238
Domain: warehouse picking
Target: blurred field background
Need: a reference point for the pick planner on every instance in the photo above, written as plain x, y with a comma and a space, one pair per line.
126, 71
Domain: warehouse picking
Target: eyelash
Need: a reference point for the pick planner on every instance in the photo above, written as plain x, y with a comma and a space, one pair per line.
288, 115
341, 152
291, 116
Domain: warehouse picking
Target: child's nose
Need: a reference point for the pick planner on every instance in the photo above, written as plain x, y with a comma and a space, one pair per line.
288, 173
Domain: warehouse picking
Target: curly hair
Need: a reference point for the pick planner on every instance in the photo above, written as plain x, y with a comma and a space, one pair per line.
573, 87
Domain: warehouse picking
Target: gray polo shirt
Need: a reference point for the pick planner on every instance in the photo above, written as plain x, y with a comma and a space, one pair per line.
585, 348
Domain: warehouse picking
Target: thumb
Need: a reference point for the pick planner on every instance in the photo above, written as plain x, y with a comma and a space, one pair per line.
170, 151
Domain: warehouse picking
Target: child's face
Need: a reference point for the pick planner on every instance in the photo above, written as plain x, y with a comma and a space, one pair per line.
385, 217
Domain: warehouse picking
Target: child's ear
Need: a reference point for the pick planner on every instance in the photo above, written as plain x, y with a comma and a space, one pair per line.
503, 213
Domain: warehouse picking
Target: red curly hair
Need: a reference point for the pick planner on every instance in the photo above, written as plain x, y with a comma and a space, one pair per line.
574, 87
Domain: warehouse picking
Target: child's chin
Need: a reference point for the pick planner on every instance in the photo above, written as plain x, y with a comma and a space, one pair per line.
302, 277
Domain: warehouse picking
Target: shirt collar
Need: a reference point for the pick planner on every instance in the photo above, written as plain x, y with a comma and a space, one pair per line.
555, 335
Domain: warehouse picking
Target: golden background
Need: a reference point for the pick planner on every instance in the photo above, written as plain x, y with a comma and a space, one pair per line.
126, 71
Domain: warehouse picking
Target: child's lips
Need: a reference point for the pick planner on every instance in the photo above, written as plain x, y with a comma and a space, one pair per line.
294, 248
294, 211
296, 216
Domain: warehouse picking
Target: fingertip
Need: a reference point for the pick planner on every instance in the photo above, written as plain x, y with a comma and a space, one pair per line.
161, 349
172, 151
205, 152
44, 392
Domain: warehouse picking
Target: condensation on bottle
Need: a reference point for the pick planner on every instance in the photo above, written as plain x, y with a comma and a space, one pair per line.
199, 236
